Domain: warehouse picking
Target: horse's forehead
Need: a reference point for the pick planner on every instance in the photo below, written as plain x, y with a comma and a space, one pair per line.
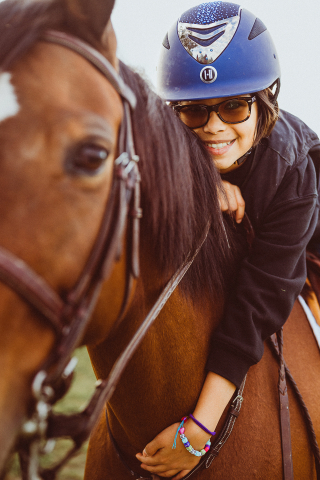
9, 105
51, 76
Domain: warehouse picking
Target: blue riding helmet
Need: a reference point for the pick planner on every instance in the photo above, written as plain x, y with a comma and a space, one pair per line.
217, 49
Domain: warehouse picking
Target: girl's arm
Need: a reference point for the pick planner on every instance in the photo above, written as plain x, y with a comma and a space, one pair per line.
158, 456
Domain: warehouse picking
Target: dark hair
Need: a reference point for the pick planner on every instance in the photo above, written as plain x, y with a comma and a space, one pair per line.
268, 114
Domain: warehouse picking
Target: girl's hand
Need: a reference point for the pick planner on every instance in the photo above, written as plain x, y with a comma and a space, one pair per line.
160, 458
232, 201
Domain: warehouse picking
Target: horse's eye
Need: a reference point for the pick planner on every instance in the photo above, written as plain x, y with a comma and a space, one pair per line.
88, 159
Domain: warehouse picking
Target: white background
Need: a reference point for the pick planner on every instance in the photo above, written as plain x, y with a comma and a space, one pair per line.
141, 25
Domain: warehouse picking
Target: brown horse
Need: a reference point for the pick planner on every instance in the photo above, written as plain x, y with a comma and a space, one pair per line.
58, 142
59, 136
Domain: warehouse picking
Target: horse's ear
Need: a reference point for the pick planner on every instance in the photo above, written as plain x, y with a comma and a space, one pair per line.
89, 17
96, 12
89, 20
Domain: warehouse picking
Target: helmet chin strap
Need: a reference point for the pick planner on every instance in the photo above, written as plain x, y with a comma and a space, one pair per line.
276, 84
242, 159
237, 163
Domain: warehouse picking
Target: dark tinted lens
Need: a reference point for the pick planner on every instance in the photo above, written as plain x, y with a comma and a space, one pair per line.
234, 110
193, 115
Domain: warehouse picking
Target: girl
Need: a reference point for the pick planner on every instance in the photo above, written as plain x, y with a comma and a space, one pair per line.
220, 72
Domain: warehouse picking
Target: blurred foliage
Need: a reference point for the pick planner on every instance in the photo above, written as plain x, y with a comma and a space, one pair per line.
76, 399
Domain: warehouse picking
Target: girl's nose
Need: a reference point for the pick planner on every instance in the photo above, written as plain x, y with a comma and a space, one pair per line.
214, 124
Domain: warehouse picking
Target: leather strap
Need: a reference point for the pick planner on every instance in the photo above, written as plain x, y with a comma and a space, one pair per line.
120, 455
96, 58
234, 411
32, 288
304, 409
69, 317
284, 411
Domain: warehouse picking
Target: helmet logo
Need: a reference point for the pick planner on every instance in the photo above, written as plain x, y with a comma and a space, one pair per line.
205, 43
208, 74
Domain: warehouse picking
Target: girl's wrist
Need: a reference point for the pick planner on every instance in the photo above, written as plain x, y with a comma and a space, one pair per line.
201, 425
197, 437
208, 419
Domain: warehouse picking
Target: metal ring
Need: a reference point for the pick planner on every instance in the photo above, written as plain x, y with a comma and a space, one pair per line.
37, 384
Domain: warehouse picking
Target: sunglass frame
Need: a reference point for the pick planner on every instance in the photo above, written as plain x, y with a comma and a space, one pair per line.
215, 108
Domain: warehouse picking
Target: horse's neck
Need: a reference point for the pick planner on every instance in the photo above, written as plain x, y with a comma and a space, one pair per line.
163, 380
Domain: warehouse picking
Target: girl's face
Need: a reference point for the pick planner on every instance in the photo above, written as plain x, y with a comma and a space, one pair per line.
226, 142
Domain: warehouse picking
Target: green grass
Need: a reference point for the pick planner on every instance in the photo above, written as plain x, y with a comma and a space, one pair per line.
75, 400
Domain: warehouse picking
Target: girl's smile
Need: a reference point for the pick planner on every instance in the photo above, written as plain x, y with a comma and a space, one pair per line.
219, 147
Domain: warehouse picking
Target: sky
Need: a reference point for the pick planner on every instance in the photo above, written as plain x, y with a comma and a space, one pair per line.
141, 25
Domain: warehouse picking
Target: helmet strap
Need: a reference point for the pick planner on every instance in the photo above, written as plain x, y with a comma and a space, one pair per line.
237, 163
277, 91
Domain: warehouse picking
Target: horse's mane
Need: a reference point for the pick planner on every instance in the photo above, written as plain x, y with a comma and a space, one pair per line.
180, 191
179, 180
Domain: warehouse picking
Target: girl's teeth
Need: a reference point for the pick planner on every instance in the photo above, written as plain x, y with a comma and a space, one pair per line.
218, 145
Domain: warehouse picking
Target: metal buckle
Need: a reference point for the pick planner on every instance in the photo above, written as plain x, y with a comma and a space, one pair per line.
238, 397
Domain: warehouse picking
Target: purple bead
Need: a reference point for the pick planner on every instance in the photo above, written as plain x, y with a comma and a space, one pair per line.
187, 444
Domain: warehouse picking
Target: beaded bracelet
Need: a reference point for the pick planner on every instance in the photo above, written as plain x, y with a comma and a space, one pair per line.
186, 442
190, 448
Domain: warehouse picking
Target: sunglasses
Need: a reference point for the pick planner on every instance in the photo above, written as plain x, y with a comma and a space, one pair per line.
233, 110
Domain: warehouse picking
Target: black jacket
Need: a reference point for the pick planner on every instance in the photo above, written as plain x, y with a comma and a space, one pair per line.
279, 185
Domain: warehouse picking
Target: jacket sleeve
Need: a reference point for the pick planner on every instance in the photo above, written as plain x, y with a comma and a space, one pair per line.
269, 279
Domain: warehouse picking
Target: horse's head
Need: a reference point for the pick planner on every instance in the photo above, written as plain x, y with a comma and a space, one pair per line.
59, 124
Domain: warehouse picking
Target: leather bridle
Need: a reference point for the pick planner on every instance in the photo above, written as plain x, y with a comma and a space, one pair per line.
68, 317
